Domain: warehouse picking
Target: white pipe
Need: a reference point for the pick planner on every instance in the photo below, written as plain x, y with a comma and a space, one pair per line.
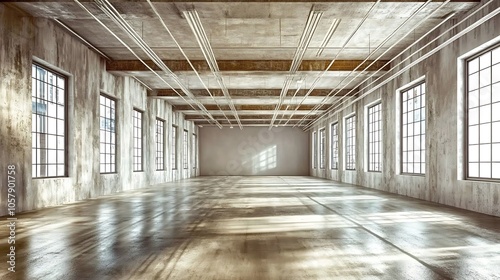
187, 58
316, 108
196, 26
420, 59
137, 56
304, 41
316, 80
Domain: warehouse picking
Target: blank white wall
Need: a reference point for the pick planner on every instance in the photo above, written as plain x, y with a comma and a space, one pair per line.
254, 151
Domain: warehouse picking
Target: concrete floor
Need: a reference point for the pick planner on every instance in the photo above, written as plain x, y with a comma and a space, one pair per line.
255, 228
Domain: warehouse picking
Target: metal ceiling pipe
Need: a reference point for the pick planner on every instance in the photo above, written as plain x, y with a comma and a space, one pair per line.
135, 54
319, 76
196, 26
113, 14
304, 41
186, 57
421, 58
328, 37
316, 108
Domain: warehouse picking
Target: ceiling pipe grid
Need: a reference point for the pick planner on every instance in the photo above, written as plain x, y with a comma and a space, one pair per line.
187, 58
319, 76
106, 11
196, 26
305, 39
338, 90
418, 60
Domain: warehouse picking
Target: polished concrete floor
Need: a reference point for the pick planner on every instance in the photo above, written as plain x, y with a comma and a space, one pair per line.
255, 228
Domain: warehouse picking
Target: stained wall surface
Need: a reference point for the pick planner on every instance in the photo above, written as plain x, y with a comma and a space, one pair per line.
253, 151
25, 40
443, 72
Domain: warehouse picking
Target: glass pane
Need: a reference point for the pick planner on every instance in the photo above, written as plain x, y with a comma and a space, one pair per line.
474, 134
473, 65
473, 153
495, 152
485, 133
474, 116
496, 112
485, 77
473, 98
485, 95
473, 81
496, 171
485, 114
485, 170
496, 55
495, 128
485, 153
485, 60
473, 169
495, 72
495, 92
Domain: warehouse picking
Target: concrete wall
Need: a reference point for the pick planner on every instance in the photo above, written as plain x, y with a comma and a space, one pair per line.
444, 180
24, 40
253, 151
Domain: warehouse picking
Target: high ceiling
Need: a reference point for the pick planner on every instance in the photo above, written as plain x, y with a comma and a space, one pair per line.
253, 62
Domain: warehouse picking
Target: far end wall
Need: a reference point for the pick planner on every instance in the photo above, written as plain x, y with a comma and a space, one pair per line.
253, 151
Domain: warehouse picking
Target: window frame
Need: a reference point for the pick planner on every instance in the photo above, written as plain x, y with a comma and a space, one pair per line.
314, 150
346, 145
334, 151
140, 134
423, 147
466, 93
194, 148
66, 78
173, 146
377, 132
185, 149
322, 148
158, 144
113, 164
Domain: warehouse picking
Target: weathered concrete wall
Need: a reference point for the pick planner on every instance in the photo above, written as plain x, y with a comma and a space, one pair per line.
444, 180
26, 39
253, 151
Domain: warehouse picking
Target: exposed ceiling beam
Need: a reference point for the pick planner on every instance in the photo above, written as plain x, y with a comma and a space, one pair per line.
247, 107
253, 112
247, 65
223, 122
248, 92
244, 117
244, 1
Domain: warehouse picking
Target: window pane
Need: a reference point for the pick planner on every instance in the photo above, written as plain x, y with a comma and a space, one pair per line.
413, 144
48, 127
107, 134
487, 114
473, 153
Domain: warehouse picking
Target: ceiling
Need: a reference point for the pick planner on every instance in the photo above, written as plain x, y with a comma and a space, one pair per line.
268, 66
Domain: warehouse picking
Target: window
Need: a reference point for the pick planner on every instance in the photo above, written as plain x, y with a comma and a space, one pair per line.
322, 148
315, 150
48, 123
335, 146
174, 147
160, 144
374, 138
413, 130
195, 154
185, 150
483, 115
137, 121
107, 138
350, 146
